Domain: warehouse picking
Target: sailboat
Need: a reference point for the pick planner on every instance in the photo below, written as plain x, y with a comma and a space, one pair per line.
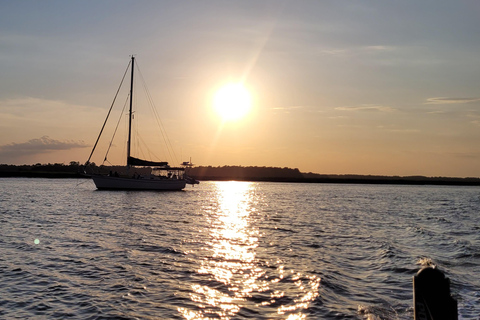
161, 176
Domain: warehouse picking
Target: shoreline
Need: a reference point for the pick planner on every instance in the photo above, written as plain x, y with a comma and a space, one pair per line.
376, 180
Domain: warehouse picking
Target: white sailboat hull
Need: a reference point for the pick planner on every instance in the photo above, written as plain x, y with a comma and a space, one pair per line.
119, 183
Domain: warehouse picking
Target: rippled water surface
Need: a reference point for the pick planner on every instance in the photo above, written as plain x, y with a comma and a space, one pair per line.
232, 250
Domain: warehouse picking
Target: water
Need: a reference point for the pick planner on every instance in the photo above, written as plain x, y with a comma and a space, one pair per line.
232, 250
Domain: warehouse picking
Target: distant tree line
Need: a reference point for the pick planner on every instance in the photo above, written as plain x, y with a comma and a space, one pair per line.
275, 174
50, 170
55, 170
376, 179
294, 175
245, 173
48, 167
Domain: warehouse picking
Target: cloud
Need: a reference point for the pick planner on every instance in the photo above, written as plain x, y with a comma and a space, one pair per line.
374, 108
436, 112
23, 118
335, 52
384, 55
297, 109
38, 146
465, 155
476, 118
287, 109
379, 48
354, 51
443, 100
39, 109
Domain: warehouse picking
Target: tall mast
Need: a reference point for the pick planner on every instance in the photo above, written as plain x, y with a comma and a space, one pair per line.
130, 113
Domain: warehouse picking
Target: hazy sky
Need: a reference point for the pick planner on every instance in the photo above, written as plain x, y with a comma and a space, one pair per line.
346, 87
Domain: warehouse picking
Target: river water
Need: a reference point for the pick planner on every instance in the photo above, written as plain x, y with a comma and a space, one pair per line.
232, 250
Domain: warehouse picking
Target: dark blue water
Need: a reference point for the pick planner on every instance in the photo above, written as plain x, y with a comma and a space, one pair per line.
232, 250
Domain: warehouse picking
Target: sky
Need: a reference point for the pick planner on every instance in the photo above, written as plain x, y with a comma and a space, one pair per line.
337, 87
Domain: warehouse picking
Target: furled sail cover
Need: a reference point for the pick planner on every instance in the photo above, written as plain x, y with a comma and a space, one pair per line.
139, 162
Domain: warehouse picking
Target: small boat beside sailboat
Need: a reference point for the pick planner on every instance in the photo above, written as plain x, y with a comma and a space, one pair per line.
155, 175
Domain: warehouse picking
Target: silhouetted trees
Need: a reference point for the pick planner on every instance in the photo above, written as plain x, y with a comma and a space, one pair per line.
49, 170
244, 173
275, 174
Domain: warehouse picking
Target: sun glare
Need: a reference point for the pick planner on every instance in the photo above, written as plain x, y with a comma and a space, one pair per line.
232, 102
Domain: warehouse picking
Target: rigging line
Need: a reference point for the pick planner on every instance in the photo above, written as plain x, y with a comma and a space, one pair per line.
140, 143
168, 144
162, 131
150, 100
151, 154
115, 132
166, 138
101, 130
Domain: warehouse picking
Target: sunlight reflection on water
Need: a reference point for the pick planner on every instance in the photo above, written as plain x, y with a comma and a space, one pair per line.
233, 242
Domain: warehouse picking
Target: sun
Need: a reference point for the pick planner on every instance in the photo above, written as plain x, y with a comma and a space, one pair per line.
232, 102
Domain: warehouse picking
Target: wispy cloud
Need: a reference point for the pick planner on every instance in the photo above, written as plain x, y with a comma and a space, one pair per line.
36, 107
374, 108
353, 51
288, 109
437, 112
385, 55
27, 117
444, 100
397, 129
335, 52
378, 48
38, 146
298, 109
465, 155
475, 116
